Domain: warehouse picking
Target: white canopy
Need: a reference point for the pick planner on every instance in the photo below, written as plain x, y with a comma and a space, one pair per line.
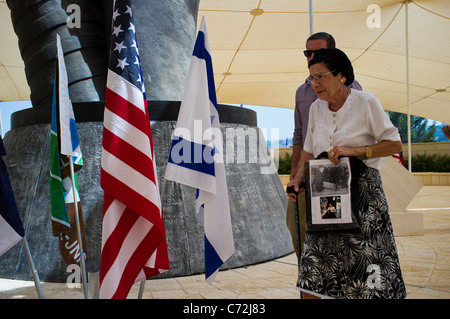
13, 83
258, 60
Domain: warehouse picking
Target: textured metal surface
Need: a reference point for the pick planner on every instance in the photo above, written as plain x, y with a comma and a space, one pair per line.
257, 204
36, 24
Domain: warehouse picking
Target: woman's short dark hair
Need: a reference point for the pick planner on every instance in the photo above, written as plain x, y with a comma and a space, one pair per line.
336, 61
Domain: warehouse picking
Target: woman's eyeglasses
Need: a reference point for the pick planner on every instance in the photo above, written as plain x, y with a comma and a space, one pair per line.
318, 77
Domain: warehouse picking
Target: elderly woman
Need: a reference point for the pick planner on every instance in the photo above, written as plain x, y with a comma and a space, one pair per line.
347, 122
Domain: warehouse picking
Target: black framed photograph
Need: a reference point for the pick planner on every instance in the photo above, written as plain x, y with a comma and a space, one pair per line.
329, 192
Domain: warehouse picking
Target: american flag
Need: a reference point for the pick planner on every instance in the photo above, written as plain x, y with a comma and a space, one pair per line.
134, 244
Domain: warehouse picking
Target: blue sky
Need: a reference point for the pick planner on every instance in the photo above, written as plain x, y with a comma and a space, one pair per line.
277, 122
7, 108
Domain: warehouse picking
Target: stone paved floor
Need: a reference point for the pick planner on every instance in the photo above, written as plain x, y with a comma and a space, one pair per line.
425, 262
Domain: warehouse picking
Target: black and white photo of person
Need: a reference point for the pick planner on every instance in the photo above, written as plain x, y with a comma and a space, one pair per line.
329, 179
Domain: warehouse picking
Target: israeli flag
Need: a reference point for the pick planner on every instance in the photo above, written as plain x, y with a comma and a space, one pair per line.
70, 143
196, 157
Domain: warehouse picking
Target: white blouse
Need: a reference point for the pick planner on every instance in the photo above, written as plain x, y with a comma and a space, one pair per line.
360, 121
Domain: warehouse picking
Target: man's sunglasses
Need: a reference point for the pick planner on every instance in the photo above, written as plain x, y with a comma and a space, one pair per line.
308, 53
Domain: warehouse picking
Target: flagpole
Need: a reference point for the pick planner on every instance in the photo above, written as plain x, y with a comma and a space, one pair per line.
80, 242
142, 285
141, 288
37, 283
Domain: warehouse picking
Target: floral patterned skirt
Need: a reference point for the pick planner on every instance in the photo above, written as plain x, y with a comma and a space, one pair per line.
355, 265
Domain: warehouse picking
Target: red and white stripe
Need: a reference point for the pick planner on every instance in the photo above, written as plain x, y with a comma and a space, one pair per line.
133, 235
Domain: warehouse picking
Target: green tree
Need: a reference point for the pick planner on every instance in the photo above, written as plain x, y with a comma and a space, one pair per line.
420, 131
284, 164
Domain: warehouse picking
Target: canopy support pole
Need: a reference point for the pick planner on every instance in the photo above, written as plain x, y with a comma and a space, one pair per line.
407, 85
311, 21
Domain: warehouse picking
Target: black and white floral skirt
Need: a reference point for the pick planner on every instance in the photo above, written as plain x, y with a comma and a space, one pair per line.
355, 265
